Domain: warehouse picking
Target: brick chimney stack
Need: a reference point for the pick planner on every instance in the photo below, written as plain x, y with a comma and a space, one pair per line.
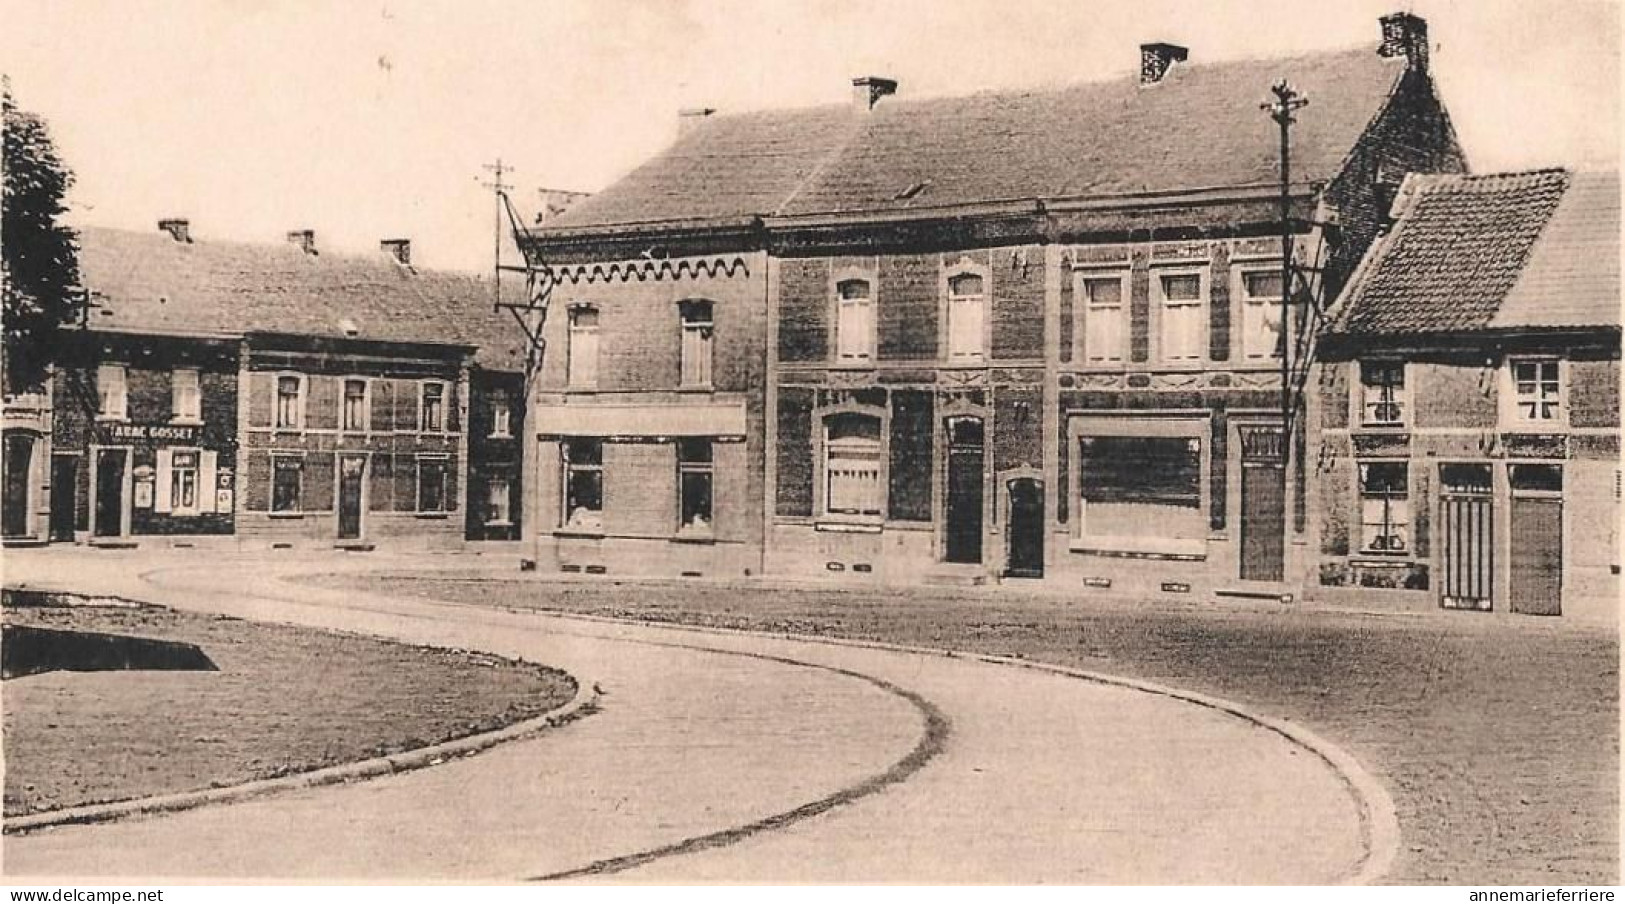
1156, 59
400, 249
179, 229
304, 238
869, 89
1405, 35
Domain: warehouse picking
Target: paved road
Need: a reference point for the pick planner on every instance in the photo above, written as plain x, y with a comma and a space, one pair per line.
756, 742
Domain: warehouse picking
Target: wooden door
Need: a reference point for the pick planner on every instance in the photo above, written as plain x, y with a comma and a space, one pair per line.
352, 478
1026, 529
108, 516
64, 483
1467, 537
964, 502
1263, 505
1536, 539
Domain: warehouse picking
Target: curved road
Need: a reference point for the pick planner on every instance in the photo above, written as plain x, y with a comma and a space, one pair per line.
730, 757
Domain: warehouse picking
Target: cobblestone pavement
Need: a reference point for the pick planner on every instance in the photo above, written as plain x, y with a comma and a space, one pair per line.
774, 759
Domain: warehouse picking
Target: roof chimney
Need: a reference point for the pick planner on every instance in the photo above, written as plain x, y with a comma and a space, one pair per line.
304, 238
1156, 59
690, 117
869, 89
180, 230
1406, 35
400, 249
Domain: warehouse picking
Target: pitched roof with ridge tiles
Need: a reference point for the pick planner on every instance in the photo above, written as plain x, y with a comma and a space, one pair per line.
151, 283
1534, 249
1200, 127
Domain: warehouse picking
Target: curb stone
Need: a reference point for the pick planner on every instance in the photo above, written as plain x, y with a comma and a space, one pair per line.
584, 703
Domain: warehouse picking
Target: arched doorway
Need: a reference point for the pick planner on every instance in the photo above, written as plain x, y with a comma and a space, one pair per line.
17, 507
1026, 528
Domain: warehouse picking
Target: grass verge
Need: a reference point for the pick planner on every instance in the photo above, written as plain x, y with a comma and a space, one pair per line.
285, 700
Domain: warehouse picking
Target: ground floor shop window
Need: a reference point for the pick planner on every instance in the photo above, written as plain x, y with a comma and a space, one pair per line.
852, 484
286, 473
1385, 511
694, 485
1141, 486
432, 496
584, 484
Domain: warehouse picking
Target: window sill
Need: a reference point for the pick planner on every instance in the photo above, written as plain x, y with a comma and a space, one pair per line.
696, 387
111, 418
848, 527
499, 436
431, 516
186, 422
579, 533
703, 538
291, 516
1379, 559
1384, 428
1141, 547
499, 524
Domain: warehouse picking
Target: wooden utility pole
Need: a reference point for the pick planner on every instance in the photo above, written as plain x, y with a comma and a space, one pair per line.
1287, 101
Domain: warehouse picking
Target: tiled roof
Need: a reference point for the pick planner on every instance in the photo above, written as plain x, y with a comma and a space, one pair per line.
148, 282
726, 167
1527, 249
1572, 277
1200, 127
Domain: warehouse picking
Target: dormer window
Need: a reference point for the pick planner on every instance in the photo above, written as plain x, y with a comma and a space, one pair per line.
854, 322
967, 318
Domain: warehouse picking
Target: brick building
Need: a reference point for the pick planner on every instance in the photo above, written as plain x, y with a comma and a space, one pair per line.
1468, 427
272, 393
1017, 334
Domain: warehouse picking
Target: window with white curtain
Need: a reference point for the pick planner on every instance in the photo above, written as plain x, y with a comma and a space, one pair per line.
1105, 317
967, 318
854, 322
1180, 297
852, 452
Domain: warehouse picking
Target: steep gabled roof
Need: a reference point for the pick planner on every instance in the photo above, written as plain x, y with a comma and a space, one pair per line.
150, 283
1200, 127
1504, 250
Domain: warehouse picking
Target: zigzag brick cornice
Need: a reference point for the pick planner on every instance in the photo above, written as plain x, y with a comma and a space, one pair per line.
645, 270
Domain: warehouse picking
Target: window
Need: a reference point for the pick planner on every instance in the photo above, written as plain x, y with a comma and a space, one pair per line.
967, 318
285, 479
498, 499
694, 485
697, 332
852, 466
432, 496
289, 394
357, 411
1180, 296
854, 322
501, 415
1382, 392
1261, 314
1105, 318
1385, 510
1537, 390
584, 484
582, 353
186, 399
1146, 487
432, 410
111, 392
183, 482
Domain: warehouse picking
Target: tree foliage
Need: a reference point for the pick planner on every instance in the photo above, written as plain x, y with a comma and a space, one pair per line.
41, 278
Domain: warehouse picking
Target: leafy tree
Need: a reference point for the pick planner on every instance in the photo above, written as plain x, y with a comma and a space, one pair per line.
41, 276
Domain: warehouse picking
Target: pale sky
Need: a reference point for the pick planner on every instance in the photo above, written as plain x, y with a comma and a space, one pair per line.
367, 119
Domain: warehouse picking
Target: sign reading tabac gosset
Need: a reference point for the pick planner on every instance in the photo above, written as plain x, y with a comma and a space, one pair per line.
170, 432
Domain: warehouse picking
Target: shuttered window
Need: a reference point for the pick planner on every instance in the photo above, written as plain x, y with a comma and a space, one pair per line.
698, 328
186, 400
582, 353
967, 319
854, 322
1105, 317
112, 392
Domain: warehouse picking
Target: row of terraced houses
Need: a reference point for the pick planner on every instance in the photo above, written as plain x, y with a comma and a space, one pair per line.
1010, 337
